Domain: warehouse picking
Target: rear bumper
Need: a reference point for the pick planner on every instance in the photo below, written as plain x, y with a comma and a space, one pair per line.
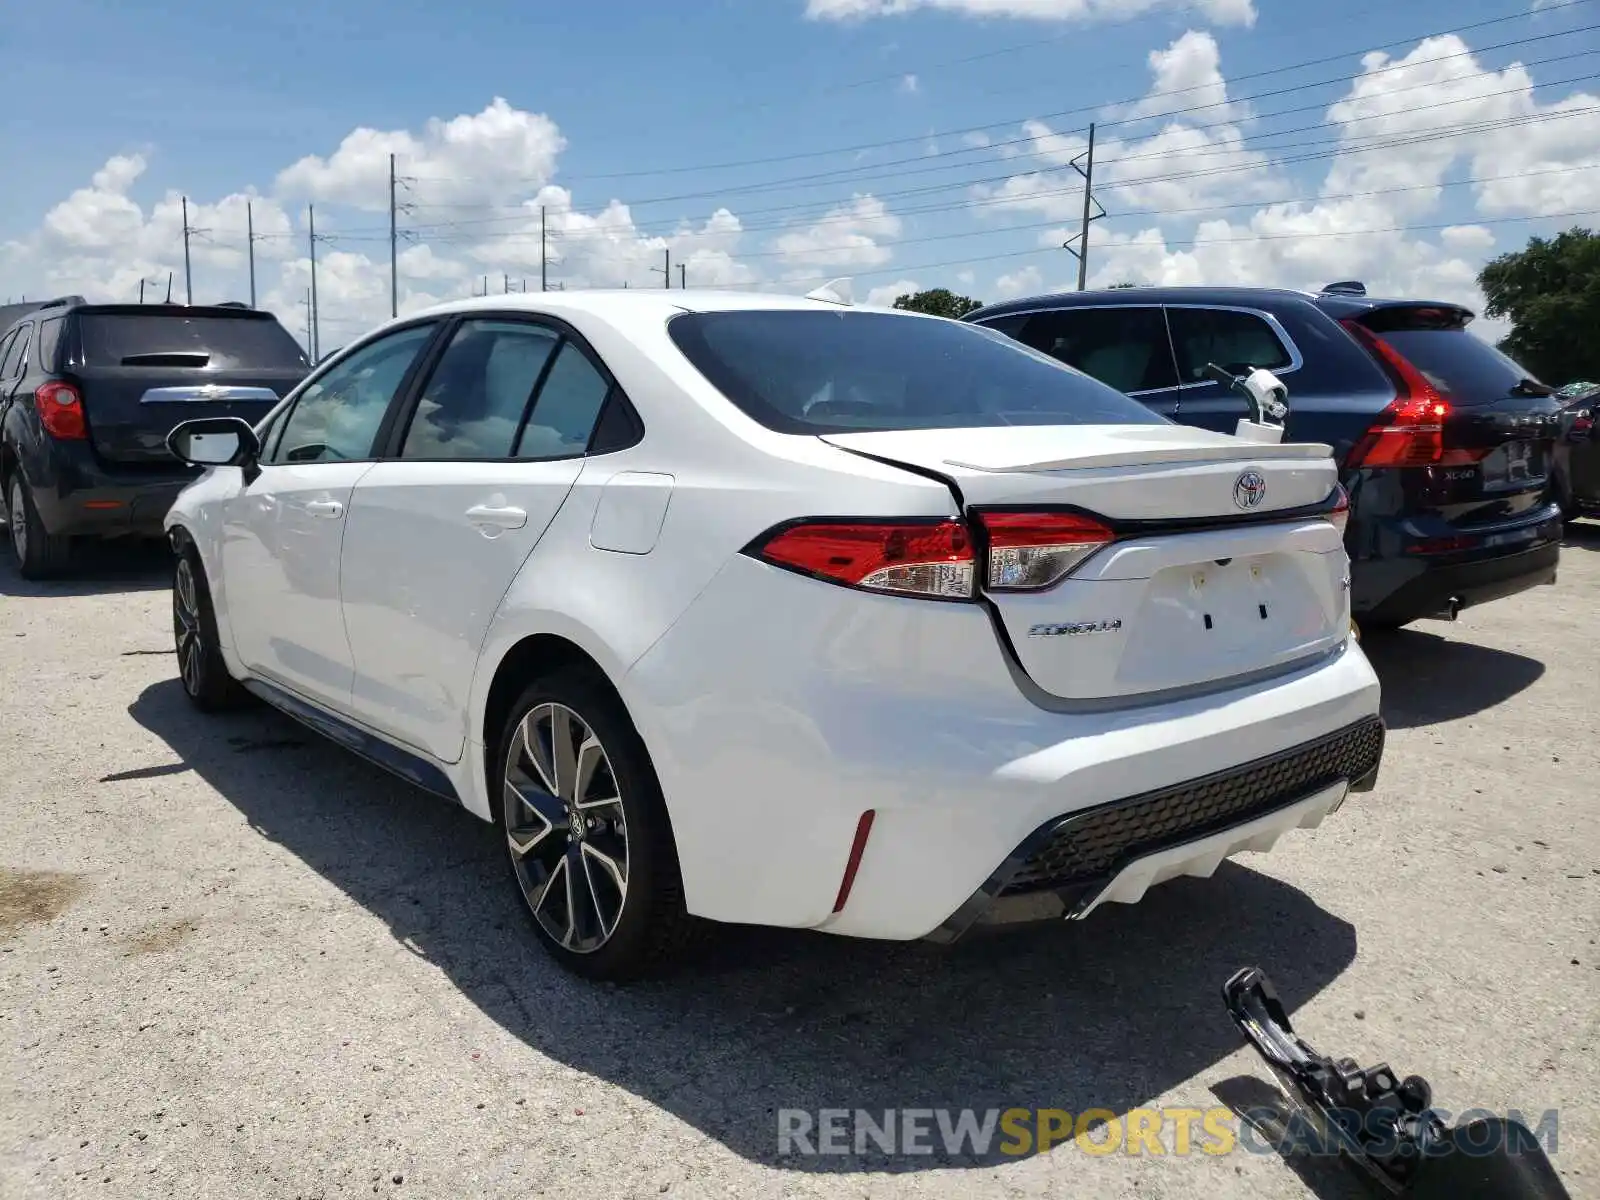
1407, 586
1114, 853
77, 496
773, 733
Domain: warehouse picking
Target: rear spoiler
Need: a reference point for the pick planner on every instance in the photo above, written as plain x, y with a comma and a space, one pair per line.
230, 311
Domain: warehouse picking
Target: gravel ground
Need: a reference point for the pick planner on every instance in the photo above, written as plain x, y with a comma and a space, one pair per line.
235, 961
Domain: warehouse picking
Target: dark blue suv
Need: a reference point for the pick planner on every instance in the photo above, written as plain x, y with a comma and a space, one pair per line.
1445, 444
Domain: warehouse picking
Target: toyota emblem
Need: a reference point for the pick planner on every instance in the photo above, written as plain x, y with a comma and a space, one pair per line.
1249, 490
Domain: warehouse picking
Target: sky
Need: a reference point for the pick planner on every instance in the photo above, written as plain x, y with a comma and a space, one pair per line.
778, 144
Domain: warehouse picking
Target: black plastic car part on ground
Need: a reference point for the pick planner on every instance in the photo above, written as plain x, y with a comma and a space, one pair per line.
1445, 444
89, 392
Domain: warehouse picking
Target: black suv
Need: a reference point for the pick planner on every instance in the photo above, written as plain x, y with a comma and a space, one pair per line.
88, 394
1445, 444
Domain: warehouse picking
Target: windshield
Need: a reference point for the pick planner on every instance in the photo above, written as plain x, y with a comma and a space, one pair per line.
803, 371
111, 339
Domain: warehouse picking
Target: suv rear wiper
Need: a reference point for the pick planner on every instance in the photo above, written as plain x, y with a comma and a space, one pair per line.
1531, 387
171, 358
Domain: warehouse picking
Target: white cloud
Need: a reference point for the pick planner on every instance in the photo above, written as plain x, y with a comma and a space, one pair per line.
1467, 238
909, 85
1189, 162
497, 153
849, 235
1024, 282
1220, 12
886, 294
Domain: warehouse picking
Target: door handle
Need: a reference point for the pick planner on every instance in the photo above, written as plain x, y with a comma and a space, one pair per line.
507, 517
325, 508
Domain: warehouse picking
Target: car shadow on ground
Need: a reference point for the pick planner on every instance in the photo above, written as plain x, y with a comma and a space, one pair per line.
1109, 1014
120, 566
1428, 679
1583, 536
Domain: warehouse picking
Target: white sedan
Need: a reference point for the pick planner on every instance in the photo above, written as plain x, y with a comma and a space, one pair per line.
780, 611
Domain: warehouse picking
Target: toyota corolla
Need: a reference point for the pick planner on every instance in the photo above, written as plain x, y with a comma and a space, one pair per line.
781, 611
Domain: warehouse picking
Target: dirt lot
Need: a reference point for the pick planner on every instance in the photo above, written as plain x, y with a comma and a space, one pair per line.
235, 961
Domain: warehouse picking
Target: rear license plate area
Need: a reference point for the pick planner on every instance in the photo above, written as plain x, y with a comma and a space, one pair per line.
1513, 465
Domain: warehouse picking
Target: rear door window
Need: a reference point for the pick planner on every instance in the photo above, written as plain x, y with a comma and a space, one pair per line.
6, 346
1239, 341
1124, 347
12, 366
569, 404
807, 371
175, 339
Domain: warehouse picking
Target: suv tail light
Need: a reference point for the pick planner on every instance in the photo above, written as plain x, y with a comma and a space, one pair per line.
1029, 551
1409, 432
932, 559
60, 410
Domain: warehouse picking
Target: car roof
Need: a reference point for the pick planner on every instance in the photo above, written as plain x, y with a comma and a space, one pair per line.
640, 303
1336, 304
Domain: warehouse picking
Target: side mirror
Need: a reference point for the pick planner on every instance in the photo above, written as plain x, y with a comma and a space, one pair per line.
215, 442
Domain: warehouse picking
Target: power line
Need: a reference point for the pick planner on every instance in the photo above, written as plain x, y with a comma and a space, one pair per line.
1093, 108
1031, 139
443, 233
1194, 243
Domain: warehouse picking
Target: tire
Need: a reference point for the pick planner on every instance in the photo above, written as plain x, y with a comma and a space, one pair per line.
201, 669
39, 554
624, 917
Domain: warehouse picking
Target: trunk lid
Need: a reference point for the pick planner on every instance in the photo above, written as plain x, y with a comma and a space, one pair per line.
143, 369
1215, 569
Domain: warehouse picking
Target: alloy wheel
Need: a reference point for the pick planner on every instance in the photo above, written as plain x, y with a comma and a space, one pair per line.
566, 828
19, 521
186, 626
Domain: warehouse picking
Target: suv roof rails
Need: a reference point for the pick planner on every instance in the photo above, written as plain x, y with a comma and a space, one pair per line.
1345, 287
230, 304
64, 302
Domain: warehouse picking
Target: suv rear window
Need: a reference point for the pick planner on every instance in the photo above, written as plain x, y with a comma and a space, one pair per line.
799, 371
112, 339
1459, 363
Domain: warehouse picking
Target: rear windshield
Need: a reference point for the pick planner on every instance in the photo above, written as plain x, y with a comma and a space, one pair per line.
799, 371
111, 339
1458, 363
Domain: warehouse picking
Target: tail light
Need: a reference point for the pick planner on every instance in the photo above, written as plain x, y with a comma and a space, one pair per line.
1410, 431
1339, 514
1029, 551
60, 410
928, 558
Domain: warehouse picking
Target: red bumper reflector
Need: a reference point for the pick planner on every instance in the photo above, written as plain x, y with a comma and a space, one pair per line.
102, 503
863, 830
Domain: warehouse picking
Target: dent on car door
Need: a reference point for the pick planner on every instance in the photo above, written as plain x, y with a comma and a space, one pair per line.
284, 528
1123, 346
492, 445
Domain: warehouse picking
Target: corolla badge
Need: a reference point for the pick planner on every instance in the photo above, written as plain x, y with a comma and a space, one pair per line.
1076, 628
1250, 489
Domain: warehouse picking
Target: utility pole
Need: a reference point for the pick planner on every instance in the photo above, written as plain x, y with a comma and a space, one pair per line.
505, 283
1081, 251
188, 279
307, 303
311, 222
544, 258
141, 291
250, 235
394, 251
666, 271
169, 287
683, 277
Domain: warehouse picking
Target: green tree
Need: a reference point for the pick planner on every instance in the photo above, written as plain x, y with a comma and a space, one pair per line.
1551, 293
938, 302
